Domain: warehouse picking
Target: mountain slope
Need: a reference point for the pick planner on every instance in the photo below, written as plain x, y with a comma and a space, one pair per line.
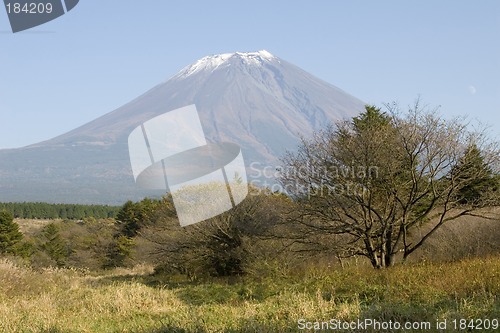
255, 99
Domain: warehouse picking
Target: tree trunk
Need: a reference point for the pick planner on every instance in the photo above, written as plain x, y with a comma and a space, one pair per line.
372, 253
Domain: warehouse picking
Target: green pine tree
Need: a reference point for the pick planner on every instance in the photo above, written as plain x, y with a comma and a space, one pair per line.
54, 245
371, 118
119, 251
10, 235
475, 177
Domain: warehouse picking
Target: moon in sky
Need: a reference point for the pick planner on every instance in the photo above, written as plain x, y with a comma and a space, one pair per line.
472, 90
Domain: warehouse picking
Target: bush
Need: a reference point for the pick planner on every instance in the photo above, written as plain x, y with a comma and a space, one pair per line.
225, 245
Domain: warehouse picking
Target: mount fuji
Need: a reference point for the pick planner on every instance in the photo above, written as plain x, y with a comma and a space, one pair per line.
255, 99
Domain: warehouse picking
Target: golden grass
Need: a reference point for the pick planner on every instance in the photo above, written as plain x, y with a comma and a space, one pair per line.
33, 226
69, 300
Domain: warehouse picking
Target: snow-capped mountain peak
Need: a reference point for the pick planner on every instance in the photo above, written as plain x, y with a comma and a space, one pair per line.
255, 100
211, 63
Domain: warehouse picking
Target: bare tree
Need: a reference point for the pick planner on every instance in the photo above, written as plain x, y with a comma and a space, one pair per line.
367, 184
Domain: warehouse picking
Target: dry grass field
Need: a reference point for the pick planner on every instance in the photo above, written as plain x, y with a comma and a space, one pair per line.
121, 300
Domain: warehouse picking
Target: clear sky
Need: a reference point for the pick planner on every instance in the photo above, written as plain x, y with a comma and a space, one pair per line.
102, 54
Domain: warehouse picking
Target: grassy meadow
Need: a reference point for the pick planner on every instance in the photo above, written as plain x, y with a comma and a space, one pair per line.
136, 300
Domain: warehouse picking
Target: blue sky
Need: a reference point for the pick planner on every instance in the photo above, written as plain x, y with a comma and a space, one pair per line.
103, 54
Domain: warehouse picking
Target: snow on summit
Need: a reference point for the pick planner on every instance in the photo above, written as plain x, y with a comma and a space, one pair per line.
211, 63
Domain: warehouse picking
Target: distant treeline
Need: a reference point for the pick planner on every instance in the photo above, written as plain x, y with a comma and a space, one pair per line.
41, 210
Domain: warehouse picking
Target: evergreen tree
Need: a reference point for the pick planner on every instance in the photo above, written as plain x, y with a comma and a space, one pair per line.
129, 218
10, 235
475, 177
54, 245
119, 251
133, 216
371, 118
